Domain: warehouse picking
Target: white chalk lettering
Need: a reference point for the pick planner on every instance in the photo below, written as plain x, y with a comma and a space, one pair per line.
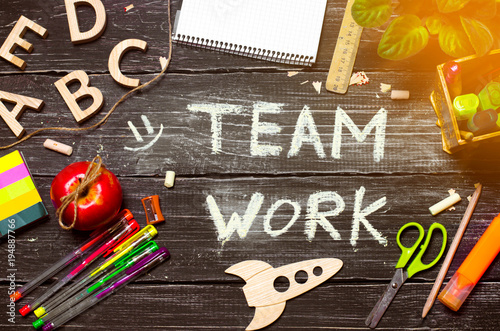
299, 137
378, 122
235, 223
315, 217
257, 149
359, 216
216, 110
270, 214
305, 130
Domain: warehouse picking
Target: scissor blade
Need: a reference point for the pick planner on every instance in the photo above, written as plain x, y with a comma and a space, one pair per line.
385, 300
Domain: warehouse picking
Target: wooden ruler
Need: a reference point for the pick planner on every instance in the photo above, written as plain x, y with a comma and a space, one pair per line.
344, 55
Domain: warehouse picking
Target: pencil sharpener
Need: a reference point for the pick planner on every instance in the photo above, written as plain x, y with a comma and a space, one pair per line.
152, 208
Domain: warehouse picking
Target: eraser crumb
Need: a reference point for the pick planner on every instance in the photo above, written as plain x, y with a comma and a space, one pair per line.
317, 86
385, 87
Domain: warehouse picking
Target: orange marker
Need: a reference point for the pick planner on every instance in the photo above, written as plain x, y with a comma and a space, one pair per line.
473, 268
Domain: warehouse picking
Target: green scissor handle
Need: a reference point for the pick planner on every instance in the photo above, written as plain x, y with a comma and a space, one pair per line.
407, 252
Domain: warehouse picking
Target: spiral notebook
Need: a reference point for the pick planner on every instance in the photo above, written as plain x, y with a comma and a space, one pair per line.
286, 31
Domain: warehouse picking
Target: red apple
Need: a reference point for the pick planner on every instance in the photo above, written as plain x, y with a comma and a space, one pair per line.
95, 206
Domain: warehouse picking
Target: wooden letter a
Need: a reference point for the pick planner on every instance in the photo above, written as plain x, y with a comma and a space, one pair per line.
84, 91
78, 37
22, 102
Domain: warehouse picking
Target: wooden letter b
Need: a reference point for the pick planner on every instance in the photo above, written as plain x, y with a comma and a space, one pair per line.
84, 91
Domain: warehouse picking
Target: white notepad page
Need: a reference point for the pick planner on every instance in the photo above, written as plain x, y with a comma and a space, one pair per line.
289, 28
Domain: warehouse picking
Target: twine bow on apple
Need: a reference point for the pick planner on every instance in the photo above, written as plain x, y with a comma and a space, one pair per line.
86, 195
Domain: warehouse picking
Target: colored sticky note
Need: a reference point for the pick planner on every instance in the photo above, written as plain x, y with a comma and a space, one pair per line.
13, 175
16, 189
24, 217
20, 202
11, 160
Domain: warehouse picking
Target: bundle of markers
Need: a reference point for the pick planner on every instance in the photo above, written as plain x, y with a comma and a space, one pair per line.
127, 253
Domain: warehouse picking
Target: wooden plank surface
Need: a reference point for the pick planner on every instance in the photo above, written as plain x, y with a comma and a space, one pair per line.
409, 173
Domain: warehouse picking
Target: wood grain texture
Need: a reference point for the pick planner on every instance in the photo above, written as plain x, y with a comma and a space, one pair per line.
15, 39
77, 36
85, 91
191, 290
115, 58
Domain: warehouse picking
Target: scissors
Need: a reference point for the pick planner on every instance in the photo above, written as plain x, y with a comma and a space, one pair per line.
402, 275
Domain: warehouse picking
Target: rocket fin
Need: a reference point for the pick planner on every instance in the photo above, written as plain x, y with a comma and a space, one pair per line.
248, 269
266, 315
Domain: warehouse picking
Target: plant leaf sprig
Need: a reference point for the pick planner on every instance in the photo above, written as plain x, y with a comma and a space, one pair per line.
462, 27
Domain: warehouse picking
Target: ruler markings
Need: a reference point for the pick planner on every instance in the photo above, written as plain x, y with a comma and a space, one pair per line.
344, 55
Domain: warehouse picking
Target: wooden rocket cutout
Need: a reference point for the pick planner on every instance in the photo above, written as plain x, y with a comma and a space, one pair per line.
261, 294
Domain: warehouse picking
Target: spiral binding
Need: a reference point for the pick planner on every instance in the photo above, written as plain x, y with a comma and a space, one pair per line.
253, 52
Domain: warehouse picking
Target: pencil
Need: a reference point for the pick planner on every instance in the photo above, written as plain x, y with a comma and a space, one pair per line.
452, 251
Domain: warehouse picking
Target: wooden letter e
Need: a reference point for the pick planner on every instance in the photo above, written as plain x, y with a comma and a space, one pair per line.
72, 99
15, 39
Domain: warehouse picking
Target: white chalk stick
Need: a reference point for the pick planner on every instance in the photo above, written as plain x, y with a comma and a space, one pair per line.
169, 179
445, 204
58, 147
400, 95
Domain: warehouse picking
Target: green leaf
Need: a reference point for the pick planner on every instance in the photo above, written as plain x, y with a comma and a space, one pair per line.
420, 8
371, 13
433, 24
449, 6
404, 37
479, 35
454, 41
481, 9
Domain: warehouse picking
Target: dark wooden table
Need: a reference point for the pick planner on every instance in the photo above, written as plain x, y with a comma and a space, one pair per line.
191, 290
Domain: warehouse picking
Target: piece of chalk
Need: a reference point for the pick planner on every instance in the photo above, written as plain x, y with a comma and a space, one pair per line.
400, 95
445, 204
58, 147
169, 179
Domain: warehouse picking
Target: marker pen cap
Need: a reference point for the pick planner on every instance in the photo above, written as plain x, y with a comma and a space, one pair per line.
456, 291
15, 296
39, 312
465, 106
483, 121
453, 76
489, 97
452, 71
48, 327
38, 323
25, 310
473, 267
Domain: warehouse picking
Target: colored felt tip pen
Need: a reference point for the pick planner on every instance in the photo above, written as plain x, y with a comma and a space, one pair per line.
140, 268
123, 264
97, 238
472, 269
127, 247
124, 232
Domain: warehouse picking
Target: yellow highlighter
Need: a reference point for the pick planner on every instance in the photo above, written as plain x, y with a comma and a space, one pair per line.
137, 239
473, 268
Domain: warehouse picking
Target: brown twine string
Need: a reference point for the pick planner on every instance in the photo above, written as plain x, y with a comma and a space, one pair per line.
105, 119
93, 171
